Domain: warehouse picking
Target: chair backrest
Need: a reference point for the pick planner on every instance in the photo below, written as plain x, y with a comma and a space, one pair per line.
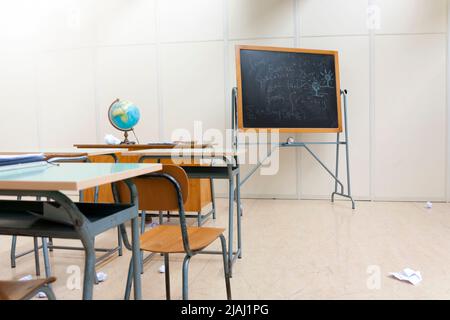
157, 194
165, 190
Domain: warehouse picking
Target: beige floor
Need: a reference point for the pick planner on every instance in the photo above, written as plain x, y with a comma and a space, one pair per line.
292, 250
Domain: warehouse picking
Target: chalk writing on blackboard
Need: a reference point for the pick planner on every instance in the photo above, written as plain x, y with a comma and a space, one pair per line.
283, 89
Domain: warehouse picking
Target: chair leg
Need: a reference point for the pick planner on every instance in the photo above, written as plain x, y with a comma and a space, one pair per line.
226, 266
213, 198
199, 218
90, 276
50, 244
239, 214
96, 193
129, 281
167, 275
143, 215
14, 245
13, 251
48, 270
119, 242
45, 289
185, 276
36, 256
48, 292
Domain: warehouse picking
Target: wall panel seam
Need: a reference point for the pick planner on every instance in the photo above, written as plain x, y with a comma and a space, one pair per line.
159, 77
447, 109
262, 38
298, 154
37, 107
226, 64
97, 115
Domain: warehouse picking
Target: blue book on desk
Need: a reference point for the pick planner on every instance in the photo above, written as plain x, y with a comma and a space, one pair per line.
12, 160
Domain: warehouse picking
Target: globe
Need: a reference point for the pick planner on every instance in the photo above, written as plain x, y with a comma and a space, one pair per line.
123, 115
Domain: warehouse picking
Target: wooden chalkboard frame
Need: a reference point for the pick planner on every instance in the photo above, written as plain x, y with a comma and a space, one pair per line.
295, 50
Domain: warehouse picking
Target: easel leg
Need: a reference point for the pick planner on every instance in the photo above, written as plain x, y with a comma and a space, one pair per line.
349, 190
337, 169
347, 159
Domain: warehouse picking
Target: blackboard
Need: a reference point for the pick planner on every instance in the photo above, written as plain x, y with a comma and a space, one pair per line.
290, 89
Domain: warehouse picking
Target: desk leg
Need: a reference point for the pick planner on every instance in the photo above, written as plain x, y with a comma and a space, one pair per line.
36, 256
136, 259
213, 198
89, 269
230, 221
238, 216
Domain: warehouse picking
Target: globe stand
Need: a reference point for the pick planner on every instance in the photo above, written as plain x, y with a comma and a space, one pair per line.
126, 141
125, 131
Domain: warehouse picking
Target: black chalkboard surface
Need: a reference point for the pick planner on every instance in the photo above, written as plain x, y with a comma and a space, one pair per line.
290, 89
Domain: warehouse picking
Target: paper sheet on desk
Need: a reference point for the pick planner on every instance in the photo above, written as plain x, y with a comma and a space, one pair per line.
409, 275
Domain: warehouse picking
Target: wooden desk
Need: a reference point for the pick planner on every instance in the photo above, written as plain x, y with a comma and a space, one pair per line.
201, 186
64, 152
61, 154
200, 196
228, 169
183, 153
87, 220
142, 146
72, 176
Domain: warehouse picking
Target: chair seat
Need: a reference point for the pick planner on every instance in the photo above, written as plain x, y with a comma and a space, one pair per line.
168, 239
19, 290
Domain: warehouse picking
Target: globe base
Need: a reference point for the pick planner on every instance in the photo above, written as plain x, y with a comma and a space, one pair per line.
126, 141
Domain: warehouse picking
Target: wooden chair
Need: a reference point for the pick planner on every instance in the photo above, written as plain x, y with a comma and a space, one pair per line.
170, 190
24, 290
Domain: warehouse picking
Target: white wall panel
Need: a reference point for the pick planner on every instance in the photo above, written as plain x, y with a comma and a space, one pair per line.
125, 22
333, 17
19, 25
267, 183
192, 85
260, 18
66, 97
195, 20
410, 117
65, 24
128, 73
18, 121
413, 16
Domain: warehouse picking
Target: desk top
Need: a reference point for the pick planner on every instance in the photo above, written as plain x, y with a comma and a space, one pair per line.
186, 153
72, 176
161, 145
63, 152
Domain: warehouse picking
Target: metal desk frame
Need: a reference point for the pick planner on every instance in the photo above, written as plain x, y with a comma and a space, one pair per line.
337, 183
49, 246
86, 231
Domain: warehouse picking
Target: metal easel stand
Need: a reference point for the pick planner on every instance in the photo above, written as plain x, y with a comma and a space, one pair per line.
347, 158
338, 185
